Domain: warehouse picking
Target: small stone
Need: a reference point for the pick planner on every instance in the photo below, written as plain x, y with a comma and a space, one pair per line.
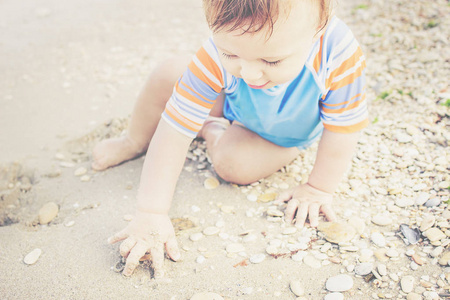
404, 202
444, 185
422, 198
380, 254
196, 236
289, 230
417, 259
69, 223
48, 212
392, 253
339, 283
267, 197
407, 284
337, 232
128, 218
357, 223
273, 212
257, 258
382, 270
200, 259
297, 288
298, 257
382, 220
249, 238
437, 251
252, 197
427, 223
433, 202
80, 171
363, 269
85, 178
334, 296
312, 262
272, 250
443, 261
413, 296
211, 183
394, 277
235, 248
32, 257
206, 296
378, 239
212, 230
227, 209
434, 234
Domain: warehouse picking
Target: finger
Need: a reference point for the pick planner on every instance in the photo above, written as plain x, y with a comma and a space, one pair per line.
289, 213
313, 214
172, 249
136, 253
283, 197
158, 261
302, 213
120, 236
126, 246
329, 212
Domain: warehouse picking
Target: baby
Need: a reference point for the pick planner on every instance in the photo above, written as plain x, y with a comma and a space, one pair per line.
275, 76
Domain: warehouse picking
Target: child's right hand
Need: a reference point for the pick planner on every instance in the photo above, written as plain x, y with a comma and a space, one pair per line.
147, 232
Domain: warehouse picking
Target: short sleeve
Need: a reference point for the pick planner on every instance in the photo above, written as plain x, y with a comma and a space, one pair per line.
195, 92
344, 105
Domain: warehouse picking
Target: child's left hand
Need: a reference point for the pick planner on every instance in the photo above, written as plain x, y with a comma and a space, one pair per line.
306, 201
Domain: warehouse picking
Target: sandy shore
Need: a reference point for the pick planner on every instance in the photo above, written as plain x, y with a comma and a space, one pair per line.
70, 74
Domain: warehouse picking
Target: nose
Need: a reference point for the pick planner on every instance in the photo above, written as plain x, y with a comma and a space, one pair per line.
251, 72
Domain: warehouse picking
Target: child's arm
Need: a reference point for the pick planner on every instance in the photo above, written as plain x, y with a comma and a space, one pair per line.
151, 228
333, 158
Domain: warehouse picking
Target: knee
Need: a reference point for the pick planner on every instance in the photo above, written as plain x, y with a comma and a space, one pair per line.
230, 169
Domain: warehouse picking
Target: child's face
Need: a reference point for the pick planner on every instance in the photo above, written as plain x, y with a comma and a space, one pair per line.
265, 63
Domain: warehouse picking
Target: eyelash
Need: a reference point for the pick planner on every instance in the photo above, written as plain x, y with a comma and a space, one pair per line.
270, 63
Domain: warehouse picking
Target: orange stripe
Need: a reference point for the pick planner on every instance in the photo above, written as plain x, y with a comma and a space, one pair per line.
209, 64
318, 57
343, 103
190, 97
348, 63
198, 94
340, 110
348, 79
197, 72
347, 129
180, 119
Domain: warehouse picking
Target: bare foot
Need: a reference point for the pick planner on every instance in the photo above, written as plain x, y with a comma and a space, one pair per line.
114, 151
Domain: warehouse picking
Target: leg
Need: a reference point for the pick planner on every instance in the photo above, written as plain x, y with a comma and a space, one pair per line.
241, 156
144, 118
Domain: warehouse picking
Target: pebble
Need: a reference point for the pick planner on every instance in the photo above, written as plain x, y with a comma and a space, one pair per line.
407, 283
211, 183
196, 236
334, 296
357, 223
443, 261
235, 248
382, 220
48, 212
413, 296
80, 171
227, 209
417, 259
312, 262
434, 234
363, 269
32, 257
273, 212
339, 283
394, 277
252, 197
206, 296
433, 202
289, 230
212, 230
271, 250
69, 223
378, 239
297, 288
128, 218
437, 251
267, 197
404, 202
382, 270
422, 198
427, 223
200, 259
85, 178
257, 258
392, 253
337, 232
298, 257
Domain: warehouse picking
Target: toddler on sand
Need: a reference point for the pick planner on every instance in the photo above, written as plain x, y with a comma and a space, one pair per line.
275, 76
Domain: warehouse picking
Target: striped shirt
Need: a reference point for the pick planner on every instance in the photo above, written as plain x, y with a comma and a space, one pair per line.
328, 93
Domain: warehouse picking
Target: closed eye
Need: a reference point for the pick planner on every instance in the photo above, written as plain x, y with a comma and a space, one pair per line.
272, 63
229, 56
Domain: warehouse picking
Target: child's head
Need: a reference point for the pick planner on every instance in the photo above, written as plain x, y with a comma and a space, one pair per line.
265, 42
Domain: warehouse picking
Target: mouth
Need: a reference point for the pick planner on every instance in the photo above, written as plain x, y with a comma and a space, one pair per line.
258, 86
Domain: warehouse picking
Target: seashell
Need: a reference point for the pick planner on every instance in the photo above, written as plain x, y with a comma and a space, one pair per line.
412, 235
211, 183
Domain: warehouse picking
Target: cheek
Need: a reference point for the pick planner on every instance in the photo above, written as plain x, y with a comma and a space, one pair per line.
231, 66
